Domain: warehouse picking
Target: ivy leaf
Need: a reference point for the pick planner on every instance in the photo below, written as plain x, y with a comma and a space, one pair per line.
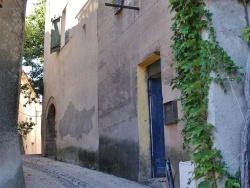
184, 29
205, 184
203, 23
191, 42
232, 183
197, 130
246, 33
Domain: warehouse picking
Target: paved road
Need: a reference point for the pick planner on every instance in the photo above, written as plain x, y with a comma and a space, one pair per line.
42, 172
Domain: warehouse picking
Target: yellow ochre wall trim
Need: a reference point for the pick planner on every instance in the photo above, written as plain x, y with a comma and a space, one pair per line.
143, 117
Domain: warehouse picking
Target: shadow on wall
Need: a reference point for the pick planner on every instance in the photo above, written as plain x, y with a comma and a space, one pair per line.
78, 156
119, 164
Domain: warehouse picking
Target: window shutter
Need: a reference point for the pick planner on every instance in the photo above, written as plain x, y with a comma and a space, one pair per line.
55, 35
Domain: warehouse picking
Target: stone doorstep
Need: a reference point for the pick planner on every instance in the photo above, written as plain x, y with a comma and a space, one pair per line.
157, 182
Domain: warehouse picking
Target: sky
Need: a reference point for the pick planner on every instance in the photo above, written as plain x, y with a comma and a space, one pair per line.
29, 6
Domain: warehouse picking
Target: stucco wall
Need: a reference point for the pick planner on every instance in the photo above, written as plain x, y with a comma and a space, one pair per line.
226, 111
126, 44
98, 84
70, 78
11, 45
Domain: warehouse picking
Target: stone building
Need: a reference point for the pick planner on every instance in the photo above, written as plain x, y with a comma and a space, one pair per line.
108, 99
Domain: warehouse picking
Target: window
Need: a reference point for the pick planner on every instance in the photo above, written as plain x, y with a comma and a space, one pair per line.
55, 44
60, 31
65, 28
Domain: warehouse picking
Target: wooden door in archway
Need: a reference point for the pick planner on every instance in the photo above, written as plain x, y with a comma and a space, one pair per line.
50, 142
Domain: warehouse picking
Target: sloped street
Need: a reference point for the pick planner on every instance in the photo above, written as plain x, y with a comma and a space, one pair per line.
42, 172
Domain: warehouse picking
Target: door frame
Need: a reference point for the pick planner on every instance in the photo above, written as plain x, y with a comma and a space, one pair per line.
145, 169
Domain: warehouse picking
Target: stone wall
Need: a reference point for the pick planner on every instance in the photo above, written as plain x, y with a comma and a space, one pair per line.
11, 46
227, 110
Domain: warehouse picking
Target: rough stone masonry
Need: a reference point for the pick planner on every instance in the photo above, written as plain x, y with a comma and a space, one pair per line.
12, 16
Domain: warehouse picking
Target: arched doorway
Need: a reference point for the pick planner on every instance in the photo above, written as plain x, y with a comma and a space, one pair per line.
50, 140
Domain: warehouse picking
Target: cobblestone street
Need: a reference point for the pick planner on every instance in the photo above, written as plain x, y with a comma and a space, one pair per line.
42, 172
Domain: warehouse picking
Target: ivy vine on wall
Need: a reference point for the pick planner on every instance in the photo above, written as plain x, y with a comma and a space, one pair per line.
24, 127
197, 57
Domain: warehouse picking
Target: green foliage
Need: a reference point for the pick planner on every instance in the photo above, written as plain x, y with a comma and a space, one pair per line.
196, 58
246, 33
24, 127
34, 45
233, 182
206, 184
25, 89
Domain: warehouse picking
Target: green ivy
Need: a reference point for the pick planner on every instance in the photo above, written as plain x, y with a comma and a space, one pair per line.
232, 183
197, 57
24, 127
246, 33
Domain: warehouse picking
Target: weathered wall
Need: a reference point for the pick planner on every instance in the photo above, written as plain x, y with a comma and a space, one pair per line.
126, 44
70, 77
11, 45
98, 84
226, 111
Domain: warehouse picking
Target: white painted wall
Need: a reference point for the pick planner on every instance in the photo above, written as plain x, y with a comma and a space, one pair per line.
227, 110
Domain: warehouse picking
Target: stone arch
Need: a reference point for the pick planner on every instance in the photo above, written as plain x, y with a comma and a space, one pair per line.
50, 130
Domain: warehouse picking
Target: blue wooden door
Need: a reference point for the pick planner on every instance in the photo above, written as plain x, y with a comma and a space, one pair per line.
157, 127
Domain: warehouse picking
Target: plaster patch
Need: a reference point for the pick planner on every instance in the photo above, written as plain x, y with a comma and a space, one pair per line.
76, 123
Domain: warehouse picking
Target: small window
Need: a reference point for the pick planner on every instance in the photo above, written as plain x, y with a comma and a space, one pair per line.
55, 35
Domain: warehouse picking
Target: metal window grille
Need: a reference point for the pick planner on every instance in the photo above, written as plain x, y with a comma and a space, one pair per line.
118, 2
